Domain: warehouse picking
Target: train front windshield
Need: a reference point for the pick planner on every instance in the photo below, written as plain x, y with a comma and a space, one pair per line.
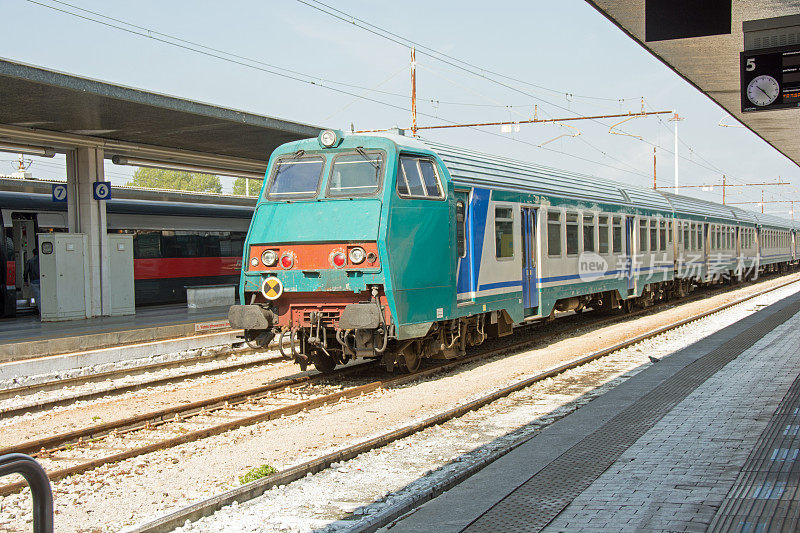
296, 178
352, 174
356, 174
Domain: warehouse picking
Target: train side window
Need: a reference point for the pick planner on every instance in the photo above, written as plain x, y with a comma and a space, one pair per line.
554, 233
653, 235
461, 229
642, 235
693, 233
588, 233
417, 178
616, 241
146, 245
686, 240
503, 232
572, 233
700, 245
602, 235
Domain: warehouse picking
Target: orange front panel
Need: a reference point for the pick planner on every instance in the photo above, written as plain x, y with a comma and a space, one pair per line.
313, 256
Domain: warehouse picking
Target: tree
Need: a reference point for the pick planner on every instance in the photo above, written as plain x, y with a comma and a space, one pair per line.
159, 178
240, 187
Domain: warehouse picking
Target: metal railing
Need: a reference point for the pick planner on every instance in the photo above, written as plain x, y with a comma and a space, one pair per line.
34, 474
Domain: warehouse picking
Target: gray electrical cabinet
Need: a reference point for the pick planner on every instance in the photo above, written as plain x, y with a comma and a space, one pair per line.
63, 268
120, 263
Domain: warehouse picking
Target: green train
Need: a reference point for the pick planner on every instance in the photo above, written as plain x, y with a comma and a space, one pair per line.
385, 246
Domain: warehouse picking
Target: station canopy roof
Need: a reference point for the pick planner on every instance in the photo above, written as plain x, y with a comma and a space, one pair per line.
709, 62
41, 103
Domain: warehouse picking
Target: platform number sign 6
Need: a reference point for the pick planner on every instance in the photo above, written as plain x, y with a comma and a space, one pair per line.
102, 190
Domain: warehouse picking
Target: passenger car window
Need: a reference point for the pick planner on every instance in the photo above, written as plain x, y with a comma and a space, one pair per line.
602, 235
503, 232
588, 233
653, 235
662, 236
417, 177
617, 235
356, 174
295, 178
554, 233
572, 233
642, 235
461, 229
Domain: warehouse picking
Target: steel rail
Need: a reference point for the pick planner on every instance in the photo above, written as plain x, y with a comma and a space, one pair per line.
256, 488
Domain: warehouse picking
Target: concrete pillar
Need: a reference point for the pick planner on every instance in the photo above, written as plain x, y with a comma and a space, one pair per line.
87, 215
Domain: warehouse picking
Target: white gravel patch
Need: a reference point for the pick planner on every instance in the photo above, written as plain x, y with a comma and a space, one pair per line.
347, 494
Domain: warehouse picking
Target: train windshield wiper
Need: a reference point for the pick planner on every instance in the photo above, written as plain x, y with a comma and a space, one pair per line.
372, 162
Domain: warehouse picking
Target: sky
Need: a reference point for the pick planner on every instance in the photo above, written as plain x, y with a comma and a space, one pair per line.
559, 59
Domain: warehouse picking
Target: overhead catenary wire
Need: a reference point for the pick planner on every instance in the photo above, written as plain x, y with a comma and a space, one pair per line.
327, 83
436, 54
207, 51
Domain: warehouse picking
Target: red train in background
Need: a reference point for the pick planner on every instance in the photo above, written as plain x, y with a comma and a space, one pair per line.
179, 238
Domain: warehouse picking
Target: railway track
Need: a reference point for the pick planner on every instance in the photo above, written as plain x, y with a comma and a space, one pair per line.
258, 487
116, 389
84, 449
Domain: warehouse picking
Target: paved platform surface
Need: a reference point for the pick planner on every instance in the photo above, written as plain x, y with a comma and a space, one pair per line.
706, 439
27, 336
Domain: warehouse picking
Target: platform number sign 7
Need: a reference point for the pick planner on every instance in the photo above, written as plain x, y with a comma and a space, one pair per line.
102, 190
59, 193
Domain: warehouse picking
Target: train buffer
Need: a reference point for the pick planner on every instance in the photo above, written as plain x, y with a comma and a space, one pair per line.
705, 440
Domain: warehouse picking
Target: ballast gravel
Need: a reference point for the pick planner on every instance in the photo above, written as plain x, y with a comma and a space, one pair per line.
117, 496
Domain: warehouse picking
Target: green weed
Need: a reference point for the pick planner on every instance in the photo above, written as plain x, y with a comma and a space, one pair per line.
257, 473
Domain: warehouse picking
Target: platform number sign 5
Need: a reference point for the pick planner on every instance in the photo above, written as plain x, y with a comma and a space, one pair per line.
770, 79
102, 190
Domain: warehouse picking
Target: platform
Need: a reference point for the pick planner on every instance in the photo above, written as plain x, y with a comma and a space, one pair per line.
27, 337
705, 439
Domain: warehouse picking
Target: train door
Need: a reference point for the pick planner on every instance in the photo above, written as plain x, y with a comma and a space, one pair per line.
24, 235
530, 289
630, 226
465, 290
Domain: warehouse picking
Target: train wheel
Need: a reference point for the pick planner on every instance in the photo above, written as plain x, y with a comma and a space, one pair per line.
412, 356
323, 363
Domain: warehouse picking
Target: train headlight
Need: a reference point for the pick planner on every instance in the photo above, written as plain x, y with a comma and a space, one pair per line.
269, 258
330, 138
254, 261
357, 255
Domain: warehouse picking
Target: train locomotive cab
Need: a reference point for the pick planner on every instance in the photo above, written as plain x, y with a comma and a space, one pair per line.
348, 232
